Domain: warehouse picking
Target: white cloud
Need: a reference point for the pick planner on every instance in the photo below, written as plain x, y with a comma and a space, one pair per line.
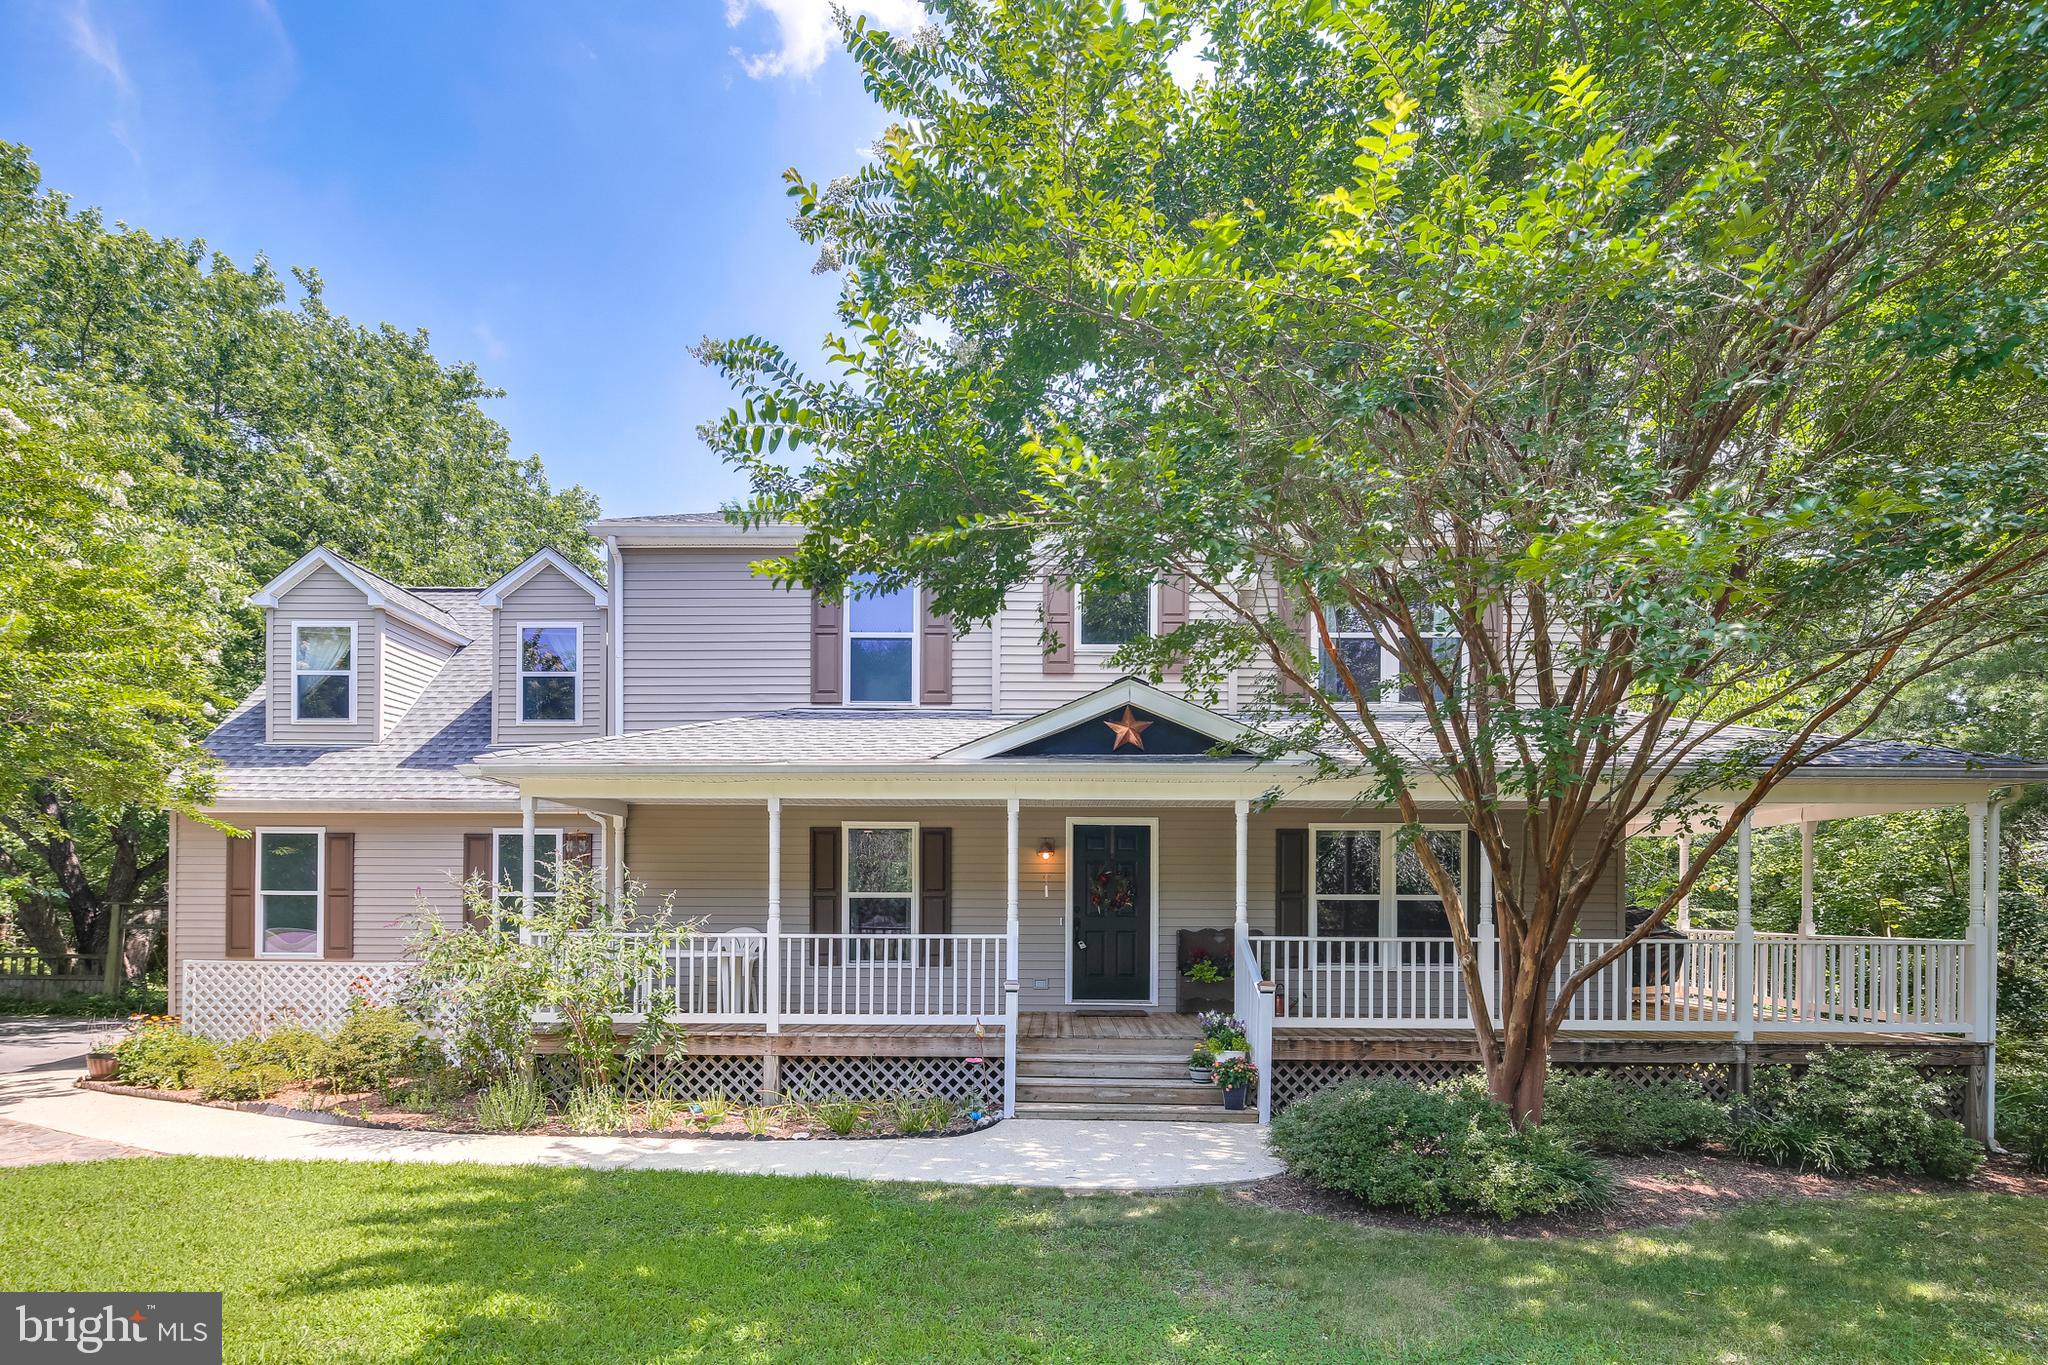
807, 33
494, 347
98, 47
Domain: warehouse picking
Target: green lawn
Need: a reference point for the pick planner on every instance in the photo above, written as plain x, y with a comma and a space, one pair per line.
350, 1262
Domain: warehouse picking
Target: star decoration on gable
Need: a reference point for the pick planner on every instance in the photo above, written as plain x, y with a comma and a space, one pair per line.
1130, 730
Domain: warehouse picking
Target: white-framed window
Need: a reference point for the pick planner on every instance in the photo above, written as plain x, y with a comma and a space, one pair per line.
1111, 617
1365, 882
291, 872
508, 870
1371, 663
878, 877
881, 644
550, 672
324, 671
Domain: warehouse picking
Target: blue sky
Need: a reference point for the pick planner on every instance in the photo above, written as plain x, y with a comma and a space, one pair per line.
570, 196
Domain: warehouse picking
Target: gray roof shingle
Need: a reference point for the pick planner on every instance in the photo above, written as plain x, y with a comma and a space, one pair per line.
449, 726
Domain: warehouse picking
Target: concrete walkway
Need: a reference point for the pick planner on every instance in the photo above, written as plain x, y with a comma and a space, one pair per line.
40, 1059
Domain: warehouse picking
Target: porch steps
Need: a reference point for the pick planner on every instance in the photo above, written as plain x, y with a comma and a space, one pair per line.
1093, 1074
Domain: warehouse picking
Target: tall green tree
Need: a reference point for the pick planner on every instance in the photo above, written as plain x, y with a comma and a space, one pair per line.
240, 422
1629, 371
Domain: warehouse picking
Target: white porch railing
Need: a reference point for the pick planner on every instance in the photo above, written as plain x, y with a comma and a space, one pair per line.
1861, 984
892, 978
1395, 982
1660, 983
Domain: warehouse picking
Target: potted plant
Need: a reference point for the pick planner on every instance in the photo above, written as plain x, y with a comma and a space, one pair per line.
1238, 1076
1199, 1062
100, 1062
1224, 1035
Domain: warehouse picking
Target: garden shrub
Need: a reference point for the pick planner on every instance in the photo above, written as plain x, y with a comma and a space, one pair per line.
839, 1115
2023, 1105
511, 1104
1597, 1111
920, 1112
1432, 1150
596, 1109
299, 1052
162, 1056
225, 1078
375, 1045
1853, 1110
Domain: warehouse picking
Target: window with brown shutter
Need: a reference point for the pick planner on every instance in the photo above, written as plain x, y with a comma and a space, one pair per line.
339, 914
935, 655
935, 889
1290, 882
476, 876
1173, 609
240, 939
1059, 626
828, 619
825, 887
1295, 624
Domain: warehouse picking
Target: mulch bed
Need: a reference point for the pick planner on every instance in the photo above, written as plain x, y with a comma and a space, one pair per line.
369, 1110
1649, 1191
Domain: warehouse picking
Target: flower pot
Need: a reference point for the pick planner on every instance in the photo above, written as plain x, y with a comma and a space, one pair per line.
1233, 1096
1201, 1075
101, 1066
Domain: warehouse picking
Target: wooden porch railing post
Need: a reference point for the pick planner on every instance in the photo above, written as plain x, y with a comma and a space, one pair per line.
1745, 940
116, 965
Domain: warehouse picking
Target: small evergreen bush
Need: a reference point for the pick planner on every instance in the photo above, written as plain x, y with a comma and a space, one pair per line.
162, 1056
1433, 1150
225, 1078
1853, 1110
1599, 1113
375, 1046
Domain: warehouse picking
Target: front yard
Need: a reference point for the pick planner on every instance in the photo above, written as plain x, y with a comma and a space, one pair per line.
353, 1262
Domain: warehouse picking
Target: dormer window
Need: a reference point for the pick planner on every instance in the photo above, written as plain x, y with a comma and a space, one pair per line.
323, 671
1113, 617
881, 639
550, 674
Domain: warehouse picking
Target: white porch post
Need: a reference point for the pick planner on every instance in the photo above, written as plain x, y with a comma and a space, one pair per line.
1013, 972
1242, 808
1809, 953
1745, 941
1982, 952
771, 975
615, 861
526, 805
1489, 939
1991, 871
1684, 863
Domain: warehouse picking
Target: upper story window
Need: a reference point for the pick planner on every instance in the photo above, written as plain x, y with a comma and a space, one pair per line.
323, 670
1112, 617
550, 674
288, 882
1370, 663
881, 640
1370, 884
881, 878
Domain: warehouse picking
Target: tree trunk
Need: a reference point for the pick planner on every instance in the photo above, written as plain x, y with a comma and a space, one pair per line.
1517, 1082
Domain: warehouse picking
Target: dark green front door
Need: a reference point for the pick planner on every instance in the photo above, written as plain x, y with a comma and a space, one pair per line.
1112, 912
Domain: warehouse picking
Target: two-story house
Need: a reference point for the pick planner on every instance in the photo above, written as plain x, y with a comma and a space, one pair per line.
920, 857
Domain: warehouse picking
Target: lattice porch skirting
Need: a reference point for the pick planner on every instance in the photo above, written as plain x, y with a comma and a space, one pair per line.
226, 999
742, 1078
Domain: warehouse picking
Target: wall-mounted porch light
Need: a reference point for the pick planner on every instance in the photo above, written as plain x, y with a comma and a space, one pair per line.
1045, 850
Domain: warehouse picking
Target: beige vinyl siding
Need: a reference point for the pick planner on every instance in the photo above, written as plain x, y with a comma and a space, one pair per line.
705, 637
410, 662
547, 598
323, 595
402, 859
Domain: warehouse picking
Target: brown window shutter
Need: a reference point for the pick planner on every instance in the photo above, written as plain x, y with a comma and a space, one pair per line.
241, 908
935, 889
1173, 604
476, 867
935, 655
1059, 624
579, 846
825, 888
827, 651
339, 914
1290, 882
1295, 624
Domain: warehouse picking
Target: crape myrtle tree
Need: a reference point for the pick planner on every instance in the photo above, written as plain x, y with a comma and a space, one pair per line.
1633, 373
